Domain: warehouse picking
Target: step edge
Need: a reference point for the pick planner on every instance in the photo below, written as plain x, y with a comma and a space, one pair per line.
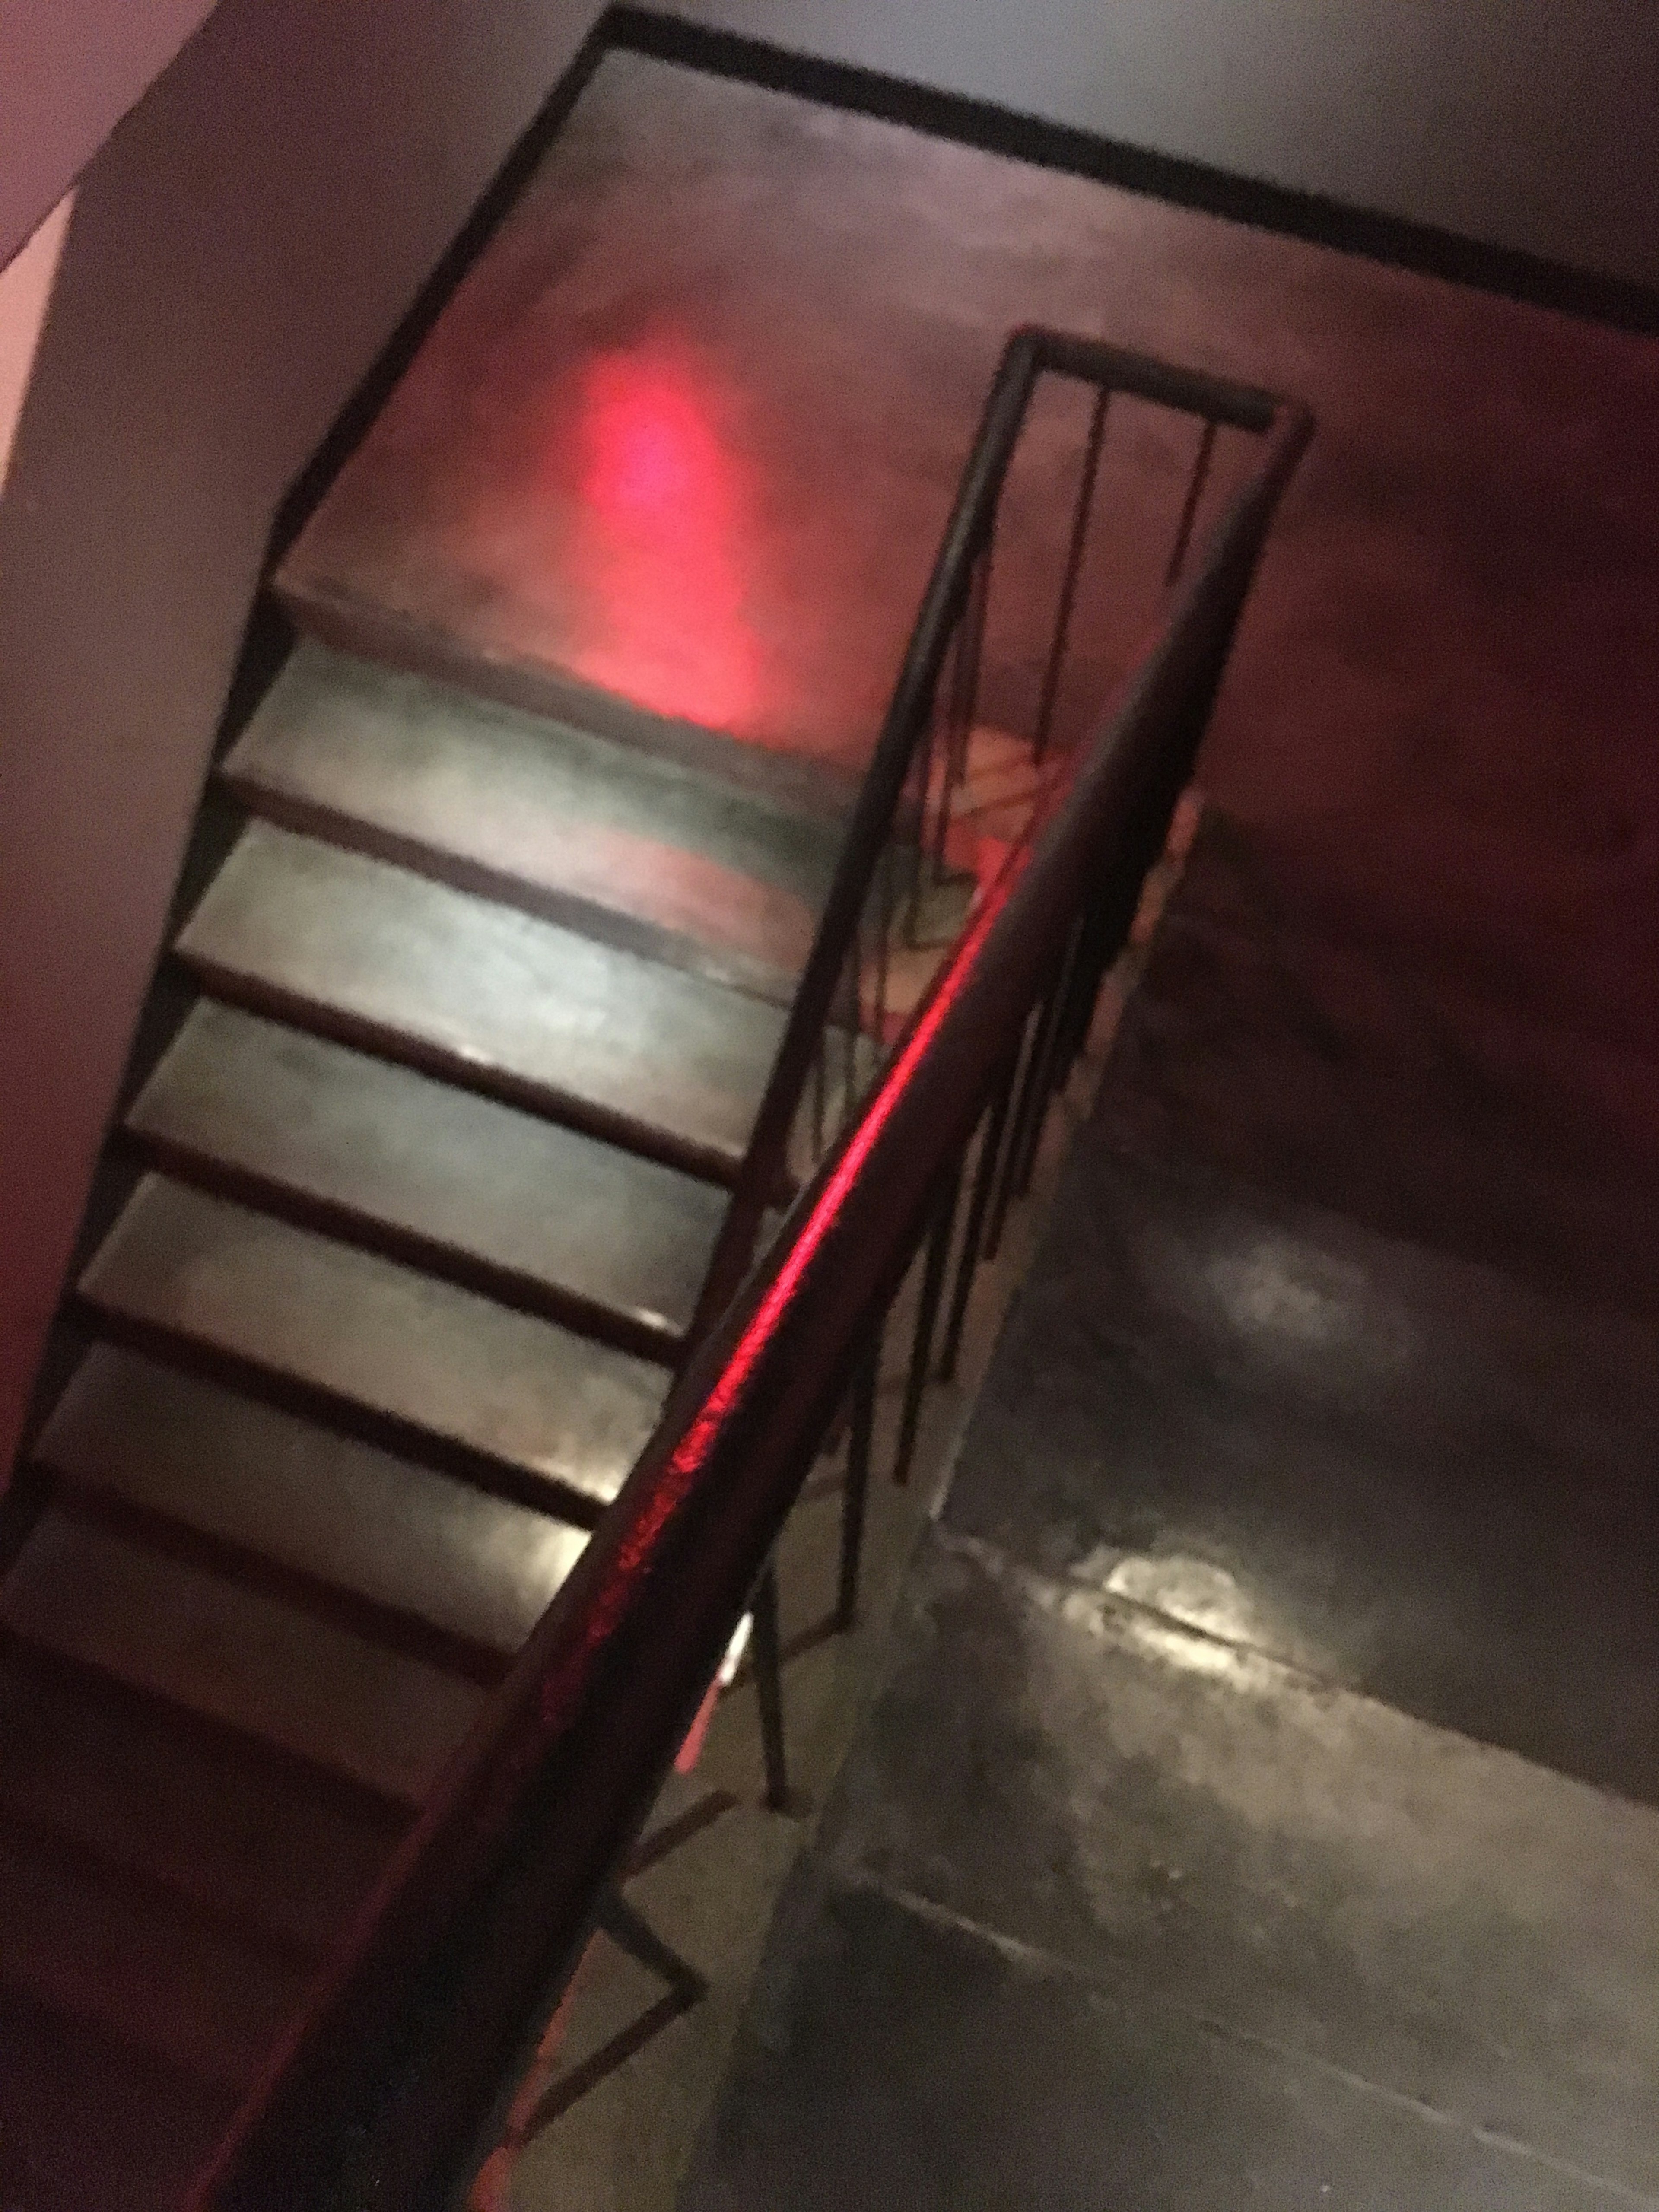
642, 1334
90, 1496
362, 630
277, 1002
303, 815
337, 1411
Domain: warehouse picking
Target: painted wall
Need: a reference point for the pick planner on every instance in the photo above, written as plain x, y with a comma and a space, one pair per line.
240, 251
26, 284
69, 72
1528, 124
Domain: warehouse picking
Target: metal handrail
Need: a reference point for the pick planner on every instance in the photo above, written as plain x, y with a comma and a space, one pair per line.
1030, 353
379, 2092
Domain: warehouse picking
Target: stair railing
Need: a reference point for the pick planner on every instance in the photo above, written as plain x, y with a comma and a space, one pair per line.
386, 2092
897, 847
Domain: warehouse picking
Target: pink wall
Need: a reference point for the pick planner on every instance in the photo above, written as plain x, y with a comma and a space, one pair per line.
242, 249
69, 69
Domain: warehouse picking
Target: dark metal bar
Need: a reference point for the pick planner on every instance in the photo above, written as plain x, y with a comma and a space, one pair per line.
964, 701
884, 943
918, 849
1003, 1187
853, 1032
1028, 1136
819, 1085
1074, 551
921, 1349
1030, 351
377, 2095
768, 1686
860, 1443
1189, 506
870, 827
1191, 390
630, 1931
985, 1169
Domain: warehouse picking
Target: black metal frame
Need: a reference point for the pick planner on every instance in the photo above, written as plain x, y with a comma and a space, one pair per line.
904, 804
378, 2094
901, 825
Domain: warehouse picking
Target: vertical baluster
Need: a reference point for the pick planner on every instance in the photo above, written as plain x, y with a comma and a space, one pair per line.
995, 1122
964, 701
854, 1027
1002, 1180
1028, 1135
884, 941
1189, 507
1096, 950
768, 1686
933, 1282
819, 1086
1085, 498
860, 1439
923, 771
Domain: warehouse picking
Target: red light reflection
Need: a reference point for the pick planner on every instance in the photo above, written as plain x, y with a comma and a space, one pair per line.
663, 532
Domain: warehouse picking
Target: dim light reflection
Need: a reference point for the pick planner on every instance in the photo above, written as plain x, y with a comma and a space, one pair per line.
667, 512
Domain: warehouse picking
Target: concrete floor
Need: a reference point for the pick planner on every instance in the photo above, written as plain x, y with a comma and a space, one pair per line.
1259, 1807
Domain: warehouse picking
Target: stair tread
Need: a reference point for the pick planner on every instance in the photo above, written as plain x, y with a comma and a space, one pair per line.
133, 1962
247, 1835
340, 1512
553, 816
486, 996
79, 2109
562, 1410
612, 1232
261, 1666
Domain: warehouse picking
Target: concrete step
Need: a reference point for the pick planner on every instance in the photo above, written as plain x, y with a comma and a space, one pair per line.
520, 1405
397, 1541
520, 1010
97, 1947
539, 1217
242, 1834
257, 1664
809, 779
77, 2107
572, 827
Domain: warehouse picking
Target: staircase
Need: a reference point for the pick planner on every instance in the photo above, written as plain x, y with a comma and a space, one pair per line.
422, 1193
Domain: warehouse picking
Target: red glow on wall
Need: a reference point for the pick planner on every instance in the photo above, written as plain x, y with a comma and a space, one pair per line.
664, 513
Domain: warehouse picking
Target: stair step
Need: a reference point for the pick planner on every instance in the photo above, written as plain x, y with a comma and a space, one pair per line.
243, 1834
525, 1011
131, 1961
234, 1655
413, 1544
78, 2108
572, 827
421, 1368
541, 1217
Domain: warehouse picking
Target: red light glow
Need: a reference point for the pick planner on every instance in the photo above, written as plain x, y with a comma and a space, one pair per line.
664, 514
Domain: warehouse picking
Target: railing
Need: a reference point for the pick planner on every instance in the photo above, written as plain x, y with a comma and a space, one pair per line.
378, 2097
897, 848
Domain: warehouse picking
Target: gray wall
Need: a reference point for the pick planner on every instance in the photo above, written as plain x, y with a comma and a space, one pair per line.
239, 251
1527, 124
69, 71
